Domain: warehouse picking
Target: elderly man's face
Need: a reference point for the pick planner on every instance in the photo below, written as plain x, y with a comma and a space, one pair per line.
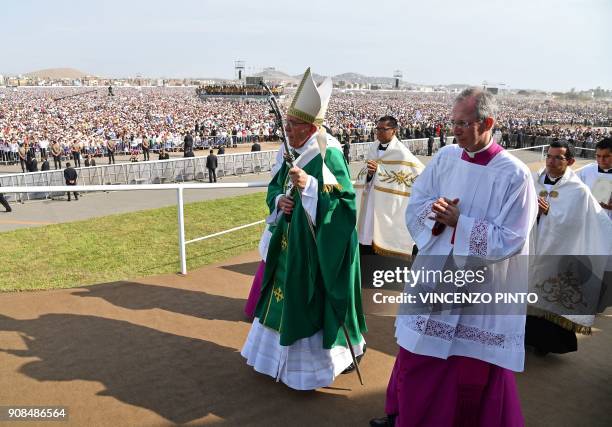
604, 158
471, 134
298, 131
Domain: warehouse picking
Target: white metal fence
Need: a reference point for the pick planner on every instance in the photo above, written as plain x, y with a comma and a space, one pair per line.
170, 171
179, 188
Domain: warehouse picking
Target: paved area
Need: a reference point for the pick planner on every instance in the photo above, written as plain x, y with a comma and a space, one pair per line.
161, 351
91, 205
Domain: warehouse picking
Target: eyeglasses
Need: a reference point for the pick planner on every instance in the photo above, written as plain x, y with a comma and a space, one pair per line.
382, 129
463, 124
291, 124
558, 158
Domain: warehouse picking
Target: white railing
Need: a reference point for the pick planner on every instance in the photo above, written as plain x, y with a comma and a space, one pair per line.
175, 170
179, 200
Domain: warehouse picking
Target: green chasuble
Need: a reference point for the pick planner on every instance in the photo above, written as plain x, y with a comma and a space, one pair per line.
310, 286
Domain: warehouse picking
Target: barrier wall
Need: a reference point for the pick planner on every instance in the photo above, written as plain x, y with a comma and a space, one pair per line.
173, 170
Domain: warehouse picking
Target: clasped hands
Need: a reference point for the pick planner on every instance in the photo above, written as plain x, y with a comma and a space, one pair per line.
446, 211
299, 178
372, 166
543, 206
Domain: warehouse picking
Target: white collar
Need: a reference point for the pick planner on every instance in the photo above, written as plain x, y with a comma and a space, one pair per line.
471, 155
386, 144
307, 144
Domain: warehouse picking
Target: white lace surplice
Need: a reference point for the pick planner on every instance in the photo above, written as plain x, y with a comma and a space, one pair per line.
498, 206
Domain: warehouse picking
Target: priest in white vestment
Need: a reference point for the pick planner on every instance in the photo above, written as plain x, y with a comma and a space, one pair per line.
570, 247
473, 204
598, 176
382, 190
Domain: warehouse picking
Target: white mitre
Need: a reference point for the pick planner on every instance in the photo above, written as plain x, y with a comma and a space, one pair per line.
310, 102
310, 105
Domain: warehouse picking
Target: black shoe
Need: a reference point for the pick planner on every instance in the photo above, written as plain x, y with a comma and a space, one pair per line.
351, 367
386, 421
9, 210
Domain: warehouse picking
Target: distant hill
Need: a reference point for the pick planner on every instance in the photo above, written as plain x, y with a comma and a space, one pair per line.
355, 78
459, 86
57, 73
352, 77
274, 75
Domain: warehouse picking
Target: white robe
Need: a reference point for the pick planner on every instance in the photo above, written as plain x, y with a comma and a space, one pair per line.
381, 202
497, 210
591, 177
575, 225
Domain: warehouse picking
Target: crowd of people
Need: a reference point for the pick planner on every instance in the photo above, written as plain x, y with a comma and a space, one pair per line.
33, 120
163, 117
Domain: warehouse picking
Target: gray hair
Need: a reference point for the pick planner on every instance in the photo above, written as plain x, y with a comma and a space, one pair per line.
486, 106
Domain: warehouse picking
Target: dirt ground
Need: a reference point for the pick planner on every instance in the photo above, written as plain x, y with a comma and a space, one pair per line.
164, 350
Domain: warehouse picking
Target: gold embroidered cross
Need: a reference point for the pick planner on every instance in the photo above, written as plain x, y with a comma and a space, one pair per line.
284, 242
278, 294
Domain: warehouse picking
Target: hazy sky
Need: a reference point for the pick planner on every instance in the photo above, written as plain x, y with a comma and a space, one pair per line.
544, 44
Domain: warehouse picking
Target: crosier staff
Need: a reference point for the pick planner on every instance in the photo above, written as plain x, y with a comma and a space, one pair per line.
290, 159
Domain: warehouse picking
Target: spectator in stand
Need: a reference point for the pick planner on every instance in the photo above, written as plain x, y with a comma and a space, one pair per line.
163, 155
22, 157
75, 151
145, 148
31, 162
188, 145
90, 161
111, 148
56, 153
45, 164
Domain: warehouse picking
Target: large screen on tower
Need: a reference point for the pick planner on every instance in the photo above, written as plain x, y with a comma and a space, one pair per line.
253, 81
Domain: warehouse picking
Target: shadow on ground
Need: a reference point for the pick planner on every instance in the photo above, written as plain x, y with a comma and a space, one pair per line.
181, 379
247, 268
140, 296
